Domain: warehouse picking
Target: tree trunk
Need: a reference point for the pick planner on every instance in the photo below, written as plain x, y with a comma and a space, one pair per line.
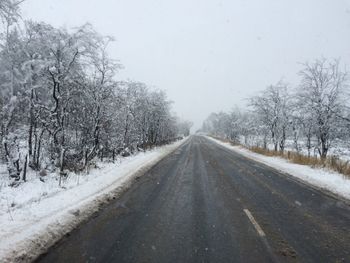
31, 127
38, 150
24, 176
324, 146
63, 151
283, 140
308, 143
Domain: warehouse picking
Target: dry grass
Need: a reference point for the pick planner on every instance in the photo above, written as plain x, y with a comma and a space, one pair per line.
331, 162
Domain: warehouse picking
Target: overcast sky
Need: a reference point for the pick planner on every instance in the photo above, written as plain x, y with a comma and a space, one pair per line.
209, 55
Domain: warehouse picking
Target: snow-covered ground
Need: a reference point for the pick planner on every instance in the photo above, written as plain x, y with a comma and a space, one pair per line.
36, 214
321, 178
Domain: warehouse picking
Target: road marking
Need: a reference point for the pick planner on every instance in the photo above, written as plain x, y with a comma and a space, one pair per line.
262, 235
255, 224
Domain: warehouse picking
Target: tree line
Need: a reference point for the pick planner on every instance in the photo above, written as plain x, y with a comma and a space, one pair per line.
60, 103
312, 115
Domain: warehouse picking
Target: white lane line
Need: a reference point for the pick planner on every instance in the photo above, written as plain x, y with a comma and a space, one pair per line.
297, 203
255, 224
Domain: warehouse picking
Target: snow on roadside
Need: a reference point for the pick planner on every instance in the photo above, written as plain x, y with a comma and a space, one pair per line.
44, 212
322, 178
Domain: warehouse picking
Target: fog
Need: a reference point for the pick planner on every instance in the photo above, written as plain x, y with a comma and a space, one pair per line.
209, 55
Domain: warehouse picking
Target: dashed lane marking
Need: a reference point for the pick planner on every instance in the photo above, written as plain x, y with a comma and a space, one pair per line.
262, 235
297, 203
255, 224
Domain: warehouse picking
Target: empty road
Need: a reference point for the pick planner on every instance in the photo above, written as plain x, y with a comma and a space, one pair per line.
205, 203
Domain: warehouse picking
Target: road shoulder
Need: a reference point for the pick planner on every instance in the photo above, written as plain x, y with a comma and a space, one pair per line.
29, 231
331, 183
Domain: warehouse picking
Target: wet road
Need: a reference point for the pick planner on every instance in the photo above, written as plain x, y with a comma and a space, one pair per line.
205, 203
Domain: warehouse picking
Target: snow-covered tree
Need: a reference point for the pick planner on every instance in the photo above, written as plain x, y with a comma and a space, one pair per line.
60, 104
273, 109
320, 95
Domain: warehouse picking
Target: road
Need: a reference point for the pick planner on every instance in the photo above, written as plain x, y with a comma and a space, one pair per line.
206, 203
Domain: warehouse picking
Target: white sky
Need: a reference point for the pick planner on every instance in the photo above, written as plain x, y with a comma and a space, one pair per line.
209, 55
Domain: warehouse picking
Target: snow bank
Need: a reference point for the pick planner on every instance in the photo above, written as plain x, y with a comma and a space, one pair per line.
35, 215
321, 178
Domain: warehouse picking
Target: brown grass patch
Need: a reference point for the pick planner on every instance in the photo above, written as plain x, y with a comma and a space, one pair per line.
332, 162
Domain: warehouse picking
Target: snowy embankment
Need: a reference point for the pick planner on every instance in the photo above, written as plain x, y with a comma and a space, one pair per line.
321, 178
35, 215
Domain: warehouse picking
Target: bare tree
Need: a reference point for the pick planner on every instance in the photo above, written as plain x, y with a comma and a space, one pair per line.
272, 107
320, 92
60, 105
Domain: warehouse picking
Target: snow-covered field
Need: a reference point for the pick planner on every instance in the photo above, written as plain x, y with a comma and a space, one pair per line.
36, 214
321, 178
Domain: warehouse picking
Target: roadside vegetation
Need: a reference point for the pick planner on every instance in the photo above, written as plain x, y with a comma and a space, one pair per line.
61, 105
331, 162
307, 124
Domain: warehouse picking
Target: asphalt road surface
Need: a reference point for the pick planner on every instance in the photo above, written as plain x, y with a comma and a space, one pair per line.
205, 203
